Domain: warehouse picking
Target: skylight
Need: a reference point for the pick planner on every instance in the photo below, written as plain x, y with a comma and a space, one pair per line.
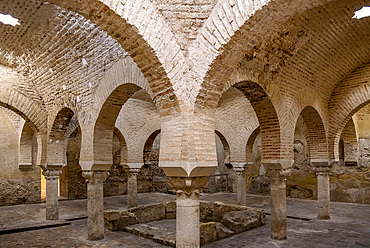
8, 19
361, 13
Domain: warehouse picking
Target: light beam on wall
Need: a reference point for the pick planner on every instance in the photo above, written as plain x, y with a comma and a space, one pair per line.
8, 19
361, 13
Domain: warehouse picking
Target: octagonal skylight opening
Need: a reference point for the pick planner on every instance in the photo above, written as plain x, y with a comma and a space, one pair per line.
8, 20
361, 13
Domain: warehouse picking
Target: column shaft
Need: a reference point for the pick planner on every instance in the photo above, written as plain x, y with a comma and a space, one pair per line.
323, 196
95, 211
277, 175
187, 210
241, 188
278, 208
52, 209
132, 188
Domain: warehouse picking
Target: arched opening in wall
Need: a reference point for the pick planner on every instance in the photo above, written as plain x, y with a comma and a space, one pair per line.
126, 113
72, 183
348, 180
303, 182
264, 144
151, 162
116, 183
19, 178
310, 147
348, 145
26, 158
220, 179
256, 180
105, 124
57, 144
267, 118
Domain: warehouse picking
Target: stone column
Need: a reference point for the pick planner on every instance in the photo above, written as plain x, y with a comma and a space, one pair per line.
95, 214
187, 210
51, 177
132, 187
323, 192
241, 186
277, 177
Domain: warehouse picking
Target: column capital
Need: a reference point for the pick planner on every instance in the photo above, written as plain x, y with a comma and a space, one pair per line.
319, 163
188, 185
51, 174
132, 170
239, 170
95, 177
320, 166
322, 170
276, 173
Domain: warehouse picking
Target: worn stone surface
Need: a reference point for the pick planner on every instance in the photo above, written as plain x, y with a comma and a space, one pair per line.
234, 219
149, 213
243, 220
348, 220
19, 191
162, 231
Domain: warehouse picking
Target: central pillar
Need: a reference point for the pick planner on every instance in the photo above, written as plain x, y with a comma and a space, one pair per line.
277, 177
52, 209
132, 187
323, 192
241, 186
187, 210
95, 214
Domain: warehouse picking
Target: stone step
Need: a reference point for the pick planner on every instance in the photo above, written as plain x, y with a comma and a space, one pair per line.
161, 231
33, 226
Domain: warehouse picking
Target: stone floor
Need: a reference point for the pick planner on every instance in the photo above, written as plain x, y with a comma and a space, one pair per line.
349, 226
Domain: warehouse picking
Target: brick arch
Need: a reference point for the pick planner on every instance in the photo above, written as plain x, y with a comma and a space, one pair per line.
29, 110
236, 120
105, 123
225, 145
298, 102
56, 143
224, 129
315, 133
226, 40
350, 140
123, 72
25, 156
350, 95
301, 126
123, 146
136, 144
149, 144
249, 147
137, 120
147, 42
267, 118
72, 126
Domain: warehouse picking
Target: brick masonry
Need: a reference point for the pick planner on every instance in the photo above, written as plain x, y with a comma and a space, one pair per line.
187, 68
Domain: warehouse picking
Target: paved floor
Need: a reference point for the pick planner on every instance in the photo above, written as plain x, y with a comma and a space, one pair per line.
349, 226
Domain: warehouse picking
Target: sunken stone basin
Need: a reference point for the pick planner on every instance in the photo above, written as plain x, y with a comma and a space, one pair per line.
157, 221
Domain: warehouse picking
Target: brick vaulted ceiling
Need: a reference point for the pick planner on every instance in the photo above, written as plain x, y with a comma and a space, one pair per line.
186, 17
55, 50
